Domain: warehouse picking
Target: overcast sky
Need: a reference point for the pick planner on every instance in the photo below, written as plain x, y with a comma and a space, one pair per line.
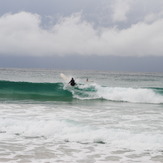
115, 35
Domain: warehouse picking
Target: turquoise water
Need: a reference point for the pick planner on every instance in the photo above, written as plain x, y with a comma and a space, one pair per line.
114, 117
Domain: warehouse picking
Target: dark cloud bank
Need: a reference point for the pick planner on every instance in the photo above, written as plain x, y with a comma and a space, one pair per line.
104, 63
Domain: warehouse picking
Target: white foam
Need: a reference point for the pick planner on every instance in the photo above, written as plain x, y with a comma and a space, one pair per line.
135, 95
65, 131
138, 95
67, 125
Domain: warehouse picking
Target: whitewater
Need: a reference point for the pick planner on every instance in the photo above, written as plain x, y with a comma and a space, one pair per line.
114, 117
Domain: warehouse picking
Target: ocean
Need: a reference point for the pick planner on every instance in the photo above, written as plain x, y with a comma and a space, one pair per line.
115, 117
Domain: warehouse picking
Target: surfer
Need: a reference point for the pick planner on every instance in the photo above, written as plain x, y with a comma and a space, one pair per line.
72, 82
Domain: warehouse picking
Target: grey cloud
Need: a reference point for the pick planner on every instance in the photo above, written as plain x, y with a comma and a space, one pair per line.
121, 13
22, 34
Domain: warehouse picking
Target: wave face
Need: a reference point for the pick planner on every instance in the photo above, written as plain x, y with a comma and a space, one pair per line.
33, 91
10, 90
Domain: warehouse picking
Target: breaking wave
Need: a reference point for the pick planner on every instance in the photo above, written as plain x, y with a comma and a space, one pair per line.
10, 90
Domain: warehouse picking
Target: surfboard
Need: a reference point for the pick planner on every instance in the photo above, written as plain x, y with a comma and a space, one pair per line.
64, 77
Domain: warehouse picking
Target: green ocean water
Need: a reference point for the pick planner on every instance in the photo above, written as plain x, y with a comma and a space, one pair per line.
33, 91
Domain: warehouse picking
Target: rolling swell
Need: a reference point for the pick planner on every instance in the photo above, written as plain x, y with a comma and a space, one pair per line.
10, 90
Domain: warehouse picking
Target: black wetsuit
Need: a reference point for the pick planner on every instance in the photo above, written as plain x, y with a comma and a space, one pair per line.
72, 82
